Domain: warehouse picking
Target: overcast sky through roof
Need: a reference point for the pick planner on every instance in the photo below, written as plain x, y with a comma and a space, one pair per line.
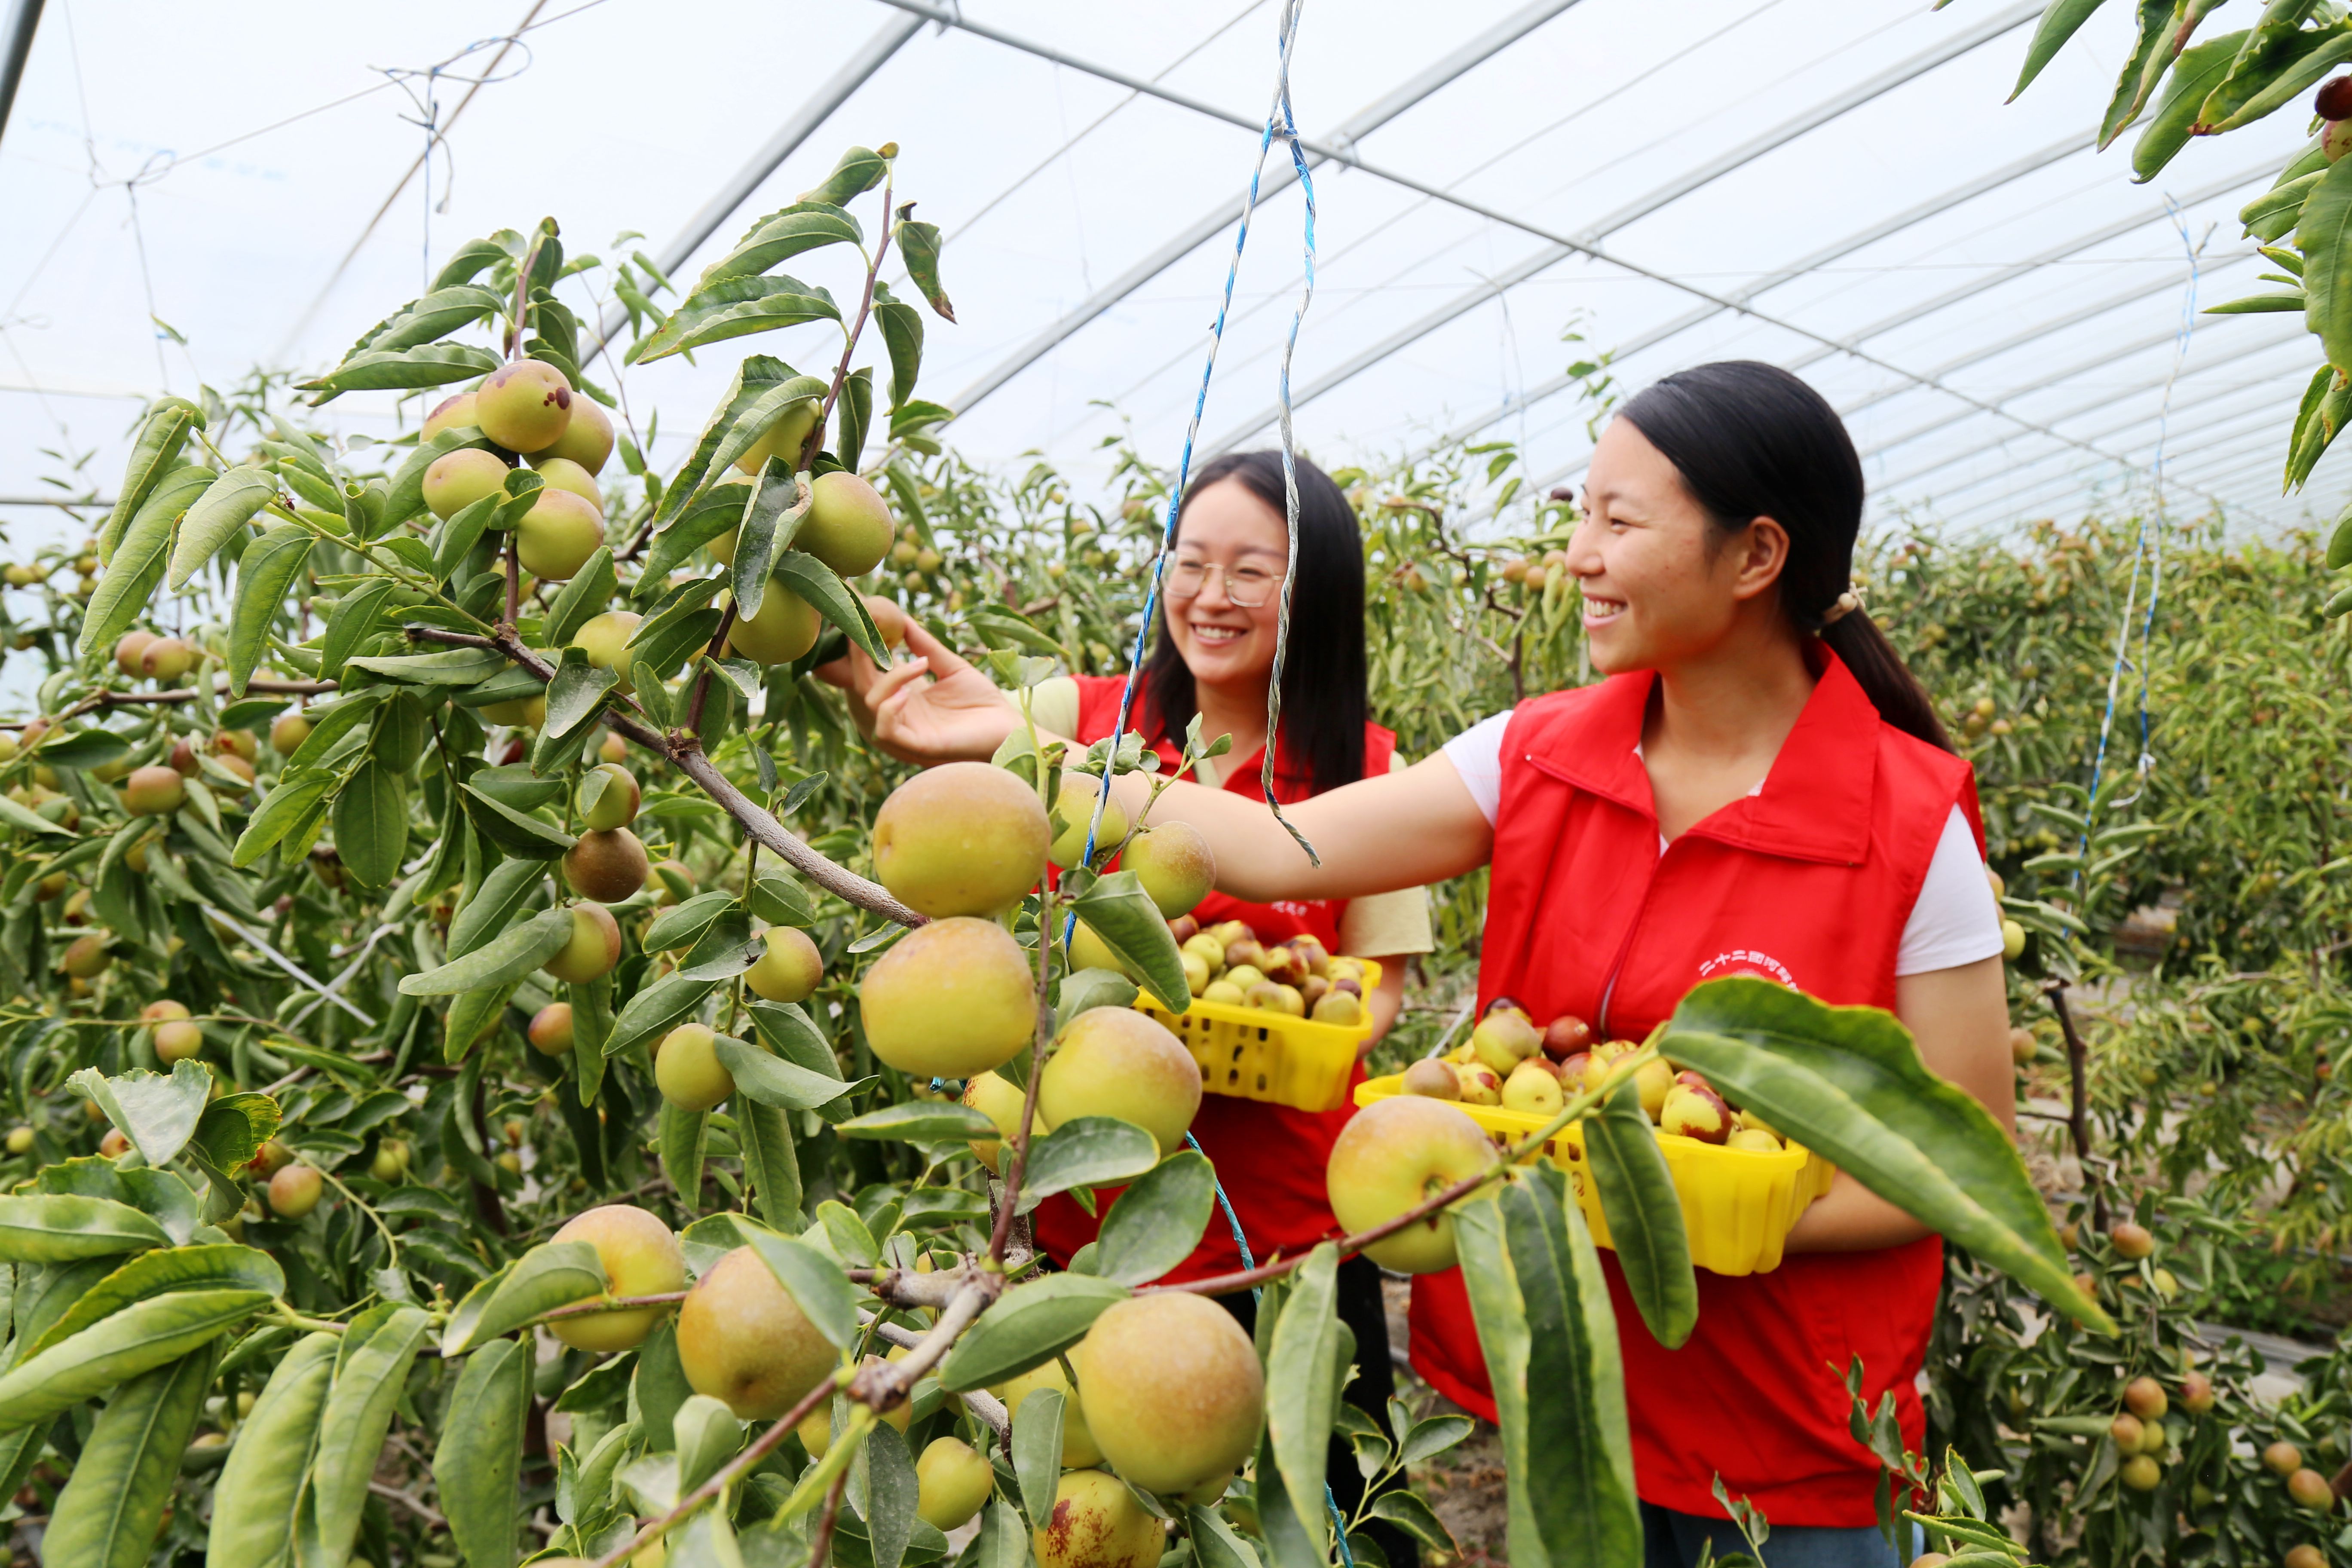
1830, 184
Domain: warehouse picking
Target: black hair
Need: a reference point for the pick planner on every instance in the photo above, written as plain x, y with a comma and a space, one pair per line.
1323, 673
1751, 440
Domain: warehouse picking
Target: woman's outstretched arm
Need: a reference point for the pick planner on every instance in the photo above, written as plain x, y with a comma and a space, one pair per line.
1399, 830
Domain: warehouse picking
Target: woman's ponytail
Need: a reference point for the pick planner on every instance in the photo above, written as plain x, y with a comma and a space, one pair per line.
1751, 440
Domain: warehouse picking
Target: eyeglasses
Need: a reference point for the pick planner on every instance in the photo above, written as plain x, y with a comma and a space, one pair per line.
1248, 587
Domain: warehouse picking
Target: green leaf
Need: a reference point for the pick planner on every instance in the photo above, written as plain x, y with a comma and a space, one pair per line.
281, 810
655, 1010
370, 818
454, 541
2323, 234
1088, 989
708, 1436
734, 308
1645, 1217
2199, 71
269, 567
522, 948
1030, 1324
1037, 1452
685, 1137
138, 1338
815, 1283
220, 1266
227, 504
111, 1509
550, 1275
576, 696
1410, 1513
770, 519
254, 1499
2058, 24
375, 370
684, 924
135, 568
1158, 1221
1117, 909
1541, 1304
858, 171
405, 495
58, 1227
433, 316
766, 391
157, 1112
787, 1086
493, 905
369, 1370
479, 1461
161, 434
583, 598
902, 335
719, 512
17, 816
2150, 57
763, 1137
351, 623
929, 1121
1848, 1083
1216, 1543
2277, 69
233, 1127
1305, 1369
918, 243
822, 586
806, 224
451, 667
854, 412
514, 832
1085, 1151
2261, 304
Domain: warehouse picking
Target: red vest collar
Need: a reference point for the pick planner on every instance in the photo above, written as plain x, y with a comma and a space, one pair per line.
1816, 803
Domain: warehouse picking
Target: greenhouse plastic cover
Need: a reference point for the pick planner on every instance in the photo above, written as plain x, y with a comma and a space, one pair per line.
1835, 185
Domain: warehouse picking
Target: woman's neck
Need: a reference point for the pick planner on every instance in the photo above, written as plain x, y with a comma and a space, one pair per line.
1236, 712
1716, 724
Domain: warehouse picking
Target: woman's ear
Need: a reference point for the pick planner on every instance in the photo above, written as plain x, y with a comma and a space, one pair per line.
1762, 554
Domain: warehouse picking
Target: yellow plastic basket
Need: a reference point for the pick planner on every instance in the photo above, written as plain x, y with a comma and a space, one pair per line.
1253, 1054
1739, 1204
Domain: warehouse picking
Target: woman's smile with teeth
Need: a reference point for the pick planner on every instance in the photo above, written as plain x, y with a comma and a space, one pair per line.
1598, 609
1209, 632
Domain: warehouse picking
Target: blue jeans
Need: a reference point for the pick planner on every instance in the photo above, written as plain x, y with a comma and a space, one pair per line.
1672, 1539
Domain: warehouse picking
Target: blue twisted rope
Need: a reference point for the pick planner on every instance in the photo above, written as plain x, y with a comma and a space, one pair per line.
1241, 1243
1278, 113
2149, 548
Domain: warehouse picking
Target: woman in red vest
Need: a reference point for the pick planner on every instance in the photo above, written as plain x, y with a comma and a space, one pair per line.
1760, 788
1214, 657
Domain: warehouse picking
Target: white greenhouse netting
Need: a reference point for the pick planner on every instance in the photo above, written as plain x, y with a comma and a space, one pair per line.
1834, 185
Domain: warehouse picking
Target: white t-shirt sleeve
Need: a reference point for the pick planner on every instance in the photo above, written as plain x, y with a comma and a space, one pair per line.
1955, 920
1476, 754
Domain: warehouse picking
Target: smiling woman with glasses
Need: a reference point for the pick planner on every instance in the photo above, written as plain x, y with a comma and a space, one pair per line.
1214, 655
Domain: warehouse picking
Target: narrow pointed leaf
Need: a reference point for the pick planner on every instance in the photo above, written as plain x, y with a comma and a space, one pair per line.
1029, 1325
1303, 1377
135, 567
1541, 1304
738, 307
554, 1274
480, 1459
583, 598
2199, 71
769, 1080
1085, 1151
160, 435
140, 1337
220, 1266
2058, 24
229, 504
1117, 909
157, 1112
822, 586
781, 236
939, 1120
918, 243
1158, 1221
371, 819
1848, 1083
2323, 234
42, 1227
253, 1500
655, 1010
111, 1509
1645, 1217
370, 1369
428, 364
1037, 1451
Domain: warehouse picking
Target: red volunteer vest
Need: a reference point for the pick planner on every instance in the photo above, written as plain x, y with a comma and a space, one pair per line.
1809, 882
1269, 1158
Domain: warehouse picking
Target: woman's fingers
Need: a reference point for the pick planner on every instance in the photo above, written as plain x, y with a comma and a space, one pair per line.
942, 661
889, 693
853, 672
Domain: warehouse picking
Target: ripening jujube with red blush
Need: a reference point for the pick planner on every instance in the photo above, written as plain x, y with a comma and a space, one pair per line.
592, 952
640, 1257
1172, 1390
153, 791
456, 480
294, 1191
607, 867
551, 1029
